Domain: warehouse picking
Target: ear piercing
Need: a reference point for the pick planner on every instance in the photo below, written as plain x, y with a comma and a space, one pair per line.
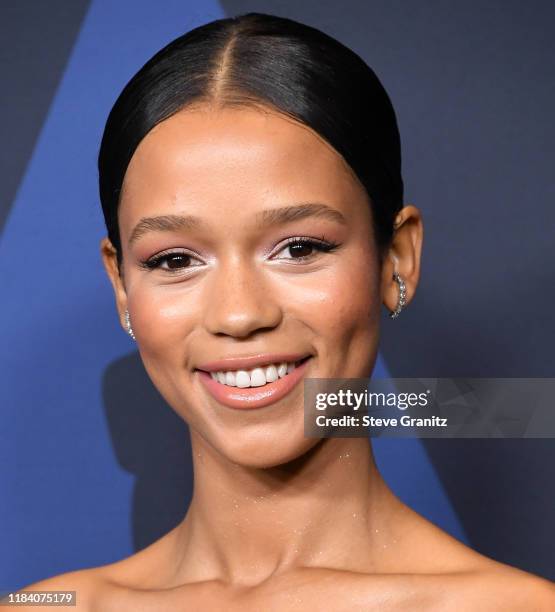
128, 325
402, 296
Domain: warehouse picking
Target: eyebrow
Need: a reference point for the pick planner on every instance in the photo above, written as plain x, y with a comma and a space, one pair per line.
264, 219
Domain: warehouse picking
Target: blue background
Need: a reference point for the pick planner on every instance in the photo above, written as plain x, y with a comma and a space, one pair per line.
94, 464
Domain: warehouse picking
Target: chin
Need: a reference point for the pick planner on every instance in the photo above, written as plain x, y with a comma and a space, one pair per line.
265, 450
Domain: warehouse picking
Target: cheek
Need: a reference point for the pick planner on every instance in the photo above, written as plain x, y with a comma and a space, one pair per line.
341, 306
342, 296
162, 317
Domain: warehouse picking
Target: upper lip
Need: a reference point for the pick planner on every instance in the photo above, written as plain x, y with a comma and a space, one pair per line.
250, 361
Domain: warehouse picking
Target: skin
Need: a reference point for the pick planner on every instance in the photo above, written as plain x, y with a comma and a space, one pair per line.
277, 521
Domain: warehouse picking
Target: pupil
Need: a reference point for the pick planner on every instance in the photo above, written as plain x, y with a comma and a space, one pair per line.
300, 250
176, 259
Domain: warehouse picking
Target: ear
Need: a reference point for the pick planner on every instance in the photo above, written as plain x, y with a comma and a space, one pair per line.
109, 259
403, 256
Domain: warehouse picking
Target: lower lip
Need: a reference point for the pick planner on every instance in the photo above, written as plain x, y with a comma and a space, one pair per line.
253, 397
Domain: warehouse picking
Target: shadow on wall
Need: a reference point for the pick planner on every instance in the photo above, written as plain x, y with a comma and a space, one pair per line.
493, 485
151, 442
502, 490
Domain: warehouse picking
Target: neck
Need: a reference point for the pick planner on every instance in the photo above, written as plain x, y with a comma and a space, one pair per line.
329, 508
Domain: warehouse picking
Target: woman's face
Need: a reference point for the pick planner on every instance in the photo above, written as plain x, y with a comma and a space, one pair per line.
210, 203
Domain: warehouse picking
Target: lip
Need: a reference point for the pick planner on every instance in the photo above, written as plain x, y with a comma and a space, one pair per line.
252, 397
250, 362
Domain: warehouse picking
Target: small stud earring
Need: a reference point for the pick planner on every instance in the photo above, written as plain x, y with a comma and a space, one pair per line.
402, 296
128, 325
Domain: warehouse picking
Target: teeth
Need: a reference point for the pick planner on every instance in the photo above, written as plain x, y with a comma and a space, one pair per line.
271, 373
243, 379
257, 377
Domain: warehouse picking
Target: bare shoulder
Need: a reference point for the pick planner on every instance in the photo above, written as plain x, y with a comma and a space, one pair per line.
95, 586
491, 585
481, 583
85, 582
502, 589
508, 589
461, 576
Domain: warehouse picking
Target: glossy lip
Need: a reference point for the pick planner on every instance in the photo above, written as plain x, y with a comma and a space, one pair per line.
252, 397
251, 361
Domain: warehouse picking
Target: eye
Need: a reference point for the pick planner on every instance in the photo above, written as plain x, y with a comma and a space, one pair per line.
302, 248
174, 262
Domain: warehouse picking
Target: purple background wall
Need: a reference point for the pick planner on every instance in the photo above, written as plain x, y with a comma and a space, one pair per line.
94, 464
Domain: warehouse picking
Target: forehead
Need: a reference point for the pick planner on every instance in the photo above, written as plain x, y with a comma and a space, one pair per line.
232, 157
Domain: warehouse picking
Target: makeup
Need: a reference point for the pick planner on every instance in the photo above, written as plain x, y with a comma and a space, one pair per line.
284, 375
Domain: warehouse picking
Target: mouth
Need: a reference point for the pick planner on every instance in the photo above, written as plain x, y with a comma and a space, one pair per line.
256, 387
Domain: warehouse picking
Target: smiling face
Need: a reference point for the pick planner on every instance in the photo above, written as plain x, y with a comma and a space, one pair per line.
216, 276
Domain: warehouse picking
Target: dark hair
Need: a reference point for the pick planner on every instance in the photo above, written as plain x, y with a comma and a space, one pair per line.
252, 60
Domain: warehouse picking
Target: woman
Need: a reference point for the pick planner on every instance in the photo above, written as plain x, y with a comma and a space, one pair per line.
250, 178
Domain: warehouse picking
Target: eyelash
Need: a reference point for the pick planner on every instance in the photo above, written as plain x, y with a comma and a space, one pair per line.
321, 244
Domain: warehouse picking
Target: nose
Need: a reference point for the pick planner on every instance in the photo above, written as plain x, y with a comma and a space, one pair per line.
239, 302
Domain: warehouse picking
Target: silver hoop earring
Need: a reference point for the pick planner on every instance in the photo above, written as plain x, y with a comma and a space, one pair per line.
402, 296
128, 325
